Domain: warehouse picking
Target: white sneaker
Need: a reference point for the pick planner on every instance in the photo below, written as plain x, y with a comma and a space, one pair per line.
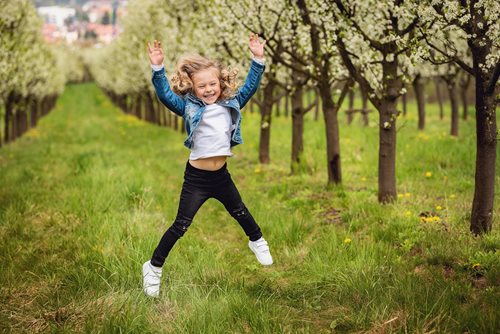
151, 279
261, 251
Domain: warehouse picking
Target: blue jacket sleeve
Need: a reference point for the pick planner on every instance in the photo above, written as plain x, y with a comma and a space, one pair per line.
252, 82
171, 100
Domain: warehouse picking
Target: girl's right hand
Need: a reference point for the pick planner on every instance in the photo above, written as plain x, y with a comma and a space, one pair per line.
155, 53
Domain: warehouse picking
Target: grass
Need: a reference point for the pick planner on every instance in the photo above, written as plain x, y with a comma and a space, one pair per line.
86, 196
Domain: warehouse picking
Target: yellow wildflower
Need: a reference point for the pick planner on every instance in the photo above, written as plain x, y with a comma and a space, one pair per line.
407, 194
408, 213
452, 196
363, 179
347, 241
430, 219
439, 207
400, 195
428, 174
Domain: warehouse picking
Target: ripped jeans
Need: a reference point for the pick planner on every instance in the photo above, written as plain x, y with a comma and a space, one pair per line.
200, 185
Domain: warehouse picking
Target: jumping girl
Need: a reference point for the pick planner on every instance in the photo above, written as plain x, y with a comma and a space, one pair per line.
204, 93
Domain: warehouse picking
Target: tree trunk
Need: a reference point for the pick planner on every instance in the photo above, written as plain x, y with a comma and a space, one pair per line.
464, 87
150, 114
21, 118
277, 106
350, 111
297, 127
332, 134
9, 106
265, 121
486, 130
388, 112
418, 87
387, 151
439, 96
452, 91
34, 112
138, 106
364, 108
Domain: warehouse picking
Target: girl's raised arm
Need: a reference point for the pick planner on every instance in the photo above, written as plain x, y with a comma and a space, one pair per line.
172, 101
255, 73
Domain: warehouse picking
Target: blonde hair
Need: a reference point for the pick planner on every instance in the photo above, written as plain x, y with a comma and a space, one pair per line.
182, 80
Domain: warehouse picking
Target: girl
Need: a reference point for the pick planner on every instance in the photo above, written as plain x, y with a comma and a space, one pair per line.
203, 93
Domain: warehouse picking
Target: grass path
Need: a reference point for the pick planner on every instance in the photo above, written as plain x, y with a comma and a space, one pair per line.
85, 197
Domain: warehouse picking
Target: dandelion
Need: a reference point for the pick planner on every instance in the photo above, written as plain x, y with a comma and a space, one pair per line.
430, 219
438, 207
363, 179
407, 194
452, 196
428, 174
347, 241
257, 170
408, 213
400, 195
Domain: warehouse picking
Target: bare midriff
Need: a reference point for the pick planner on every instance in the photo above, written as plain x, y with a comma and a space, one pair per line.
212, 163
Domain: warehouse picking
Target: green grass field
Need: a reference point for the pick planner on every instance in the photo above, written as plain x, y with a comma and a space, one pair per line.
85, 197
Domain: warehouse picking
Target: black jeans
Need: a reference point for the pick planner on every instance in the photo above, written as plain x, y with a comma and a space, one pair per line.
200, 185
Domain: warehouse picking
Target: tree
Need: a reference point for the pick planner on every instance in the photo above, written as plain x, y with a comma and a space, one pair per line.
31, 79
477, 24
375, 40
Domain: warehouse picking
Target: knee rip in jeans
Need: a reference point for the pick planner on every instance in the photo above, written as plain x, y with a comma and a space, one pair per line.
180, 226
240, 212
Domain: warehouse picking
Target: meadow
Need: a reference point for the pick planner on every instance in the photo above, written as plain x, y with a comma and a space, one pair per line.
85, 197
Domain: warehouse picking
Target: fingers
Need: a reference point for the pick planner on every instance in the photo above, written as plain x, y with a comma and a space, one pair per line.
254, 39
156, 45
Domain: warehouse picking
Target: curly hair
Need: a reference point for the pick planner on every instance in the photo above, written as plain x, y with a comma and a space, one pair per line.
188, 65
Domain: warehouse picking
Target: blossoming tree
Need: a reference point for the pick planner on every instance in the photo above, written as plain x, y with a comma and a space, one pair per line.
477, 23
31, 79
375, 40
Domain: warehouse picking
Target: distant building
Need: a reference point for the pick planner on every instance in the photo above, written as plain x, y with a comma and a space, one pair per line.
104, 33
56, 15
62, 25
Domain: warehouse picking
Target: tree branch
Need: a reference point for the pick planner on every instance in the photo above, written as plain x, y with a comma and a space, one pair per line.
375, 44
494, 80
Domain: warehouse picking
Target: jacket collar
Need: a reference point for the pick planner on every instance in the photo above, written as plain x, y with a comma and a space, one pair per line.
195, 99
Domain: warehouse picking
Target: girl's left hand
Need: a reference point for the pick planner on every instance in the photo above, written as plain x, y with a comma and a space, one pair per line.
256, 47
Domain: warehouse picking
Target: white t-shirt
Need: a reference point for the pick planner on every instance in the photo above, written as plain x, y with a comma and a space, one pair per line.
212, 136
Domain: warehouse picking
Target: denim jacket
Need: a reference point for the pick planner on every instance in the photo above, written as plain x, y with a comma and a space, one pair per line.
191, 108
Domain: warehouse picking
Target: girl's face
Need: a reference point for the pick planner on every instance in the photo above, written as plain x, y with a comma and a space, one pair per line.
206, 85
